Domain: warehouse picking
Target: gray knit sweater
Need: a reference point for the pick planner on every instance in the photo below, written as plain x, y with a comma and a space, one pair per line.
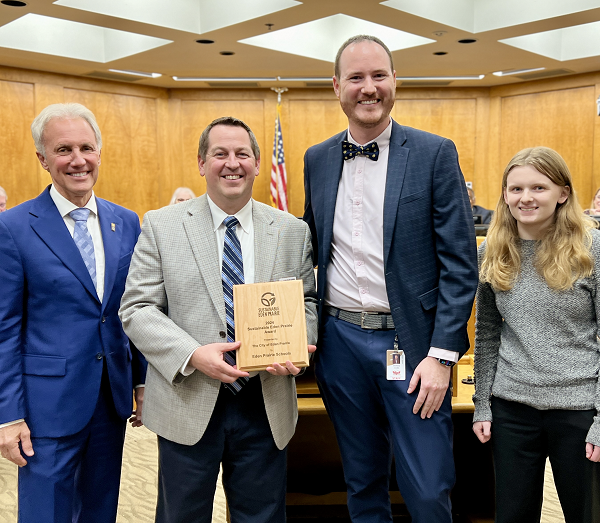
545, 353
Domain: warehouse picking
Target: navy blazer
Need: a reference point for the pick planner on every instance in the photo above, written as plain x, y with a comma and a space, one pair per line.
430, 257
55, 335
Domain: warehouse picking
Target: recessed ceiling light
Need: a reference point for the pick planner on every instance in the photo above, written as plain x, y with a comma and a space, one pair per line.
136, 73
440, 53
202, 41
197, 79
517, 71
467, 41
227, 53
13, 3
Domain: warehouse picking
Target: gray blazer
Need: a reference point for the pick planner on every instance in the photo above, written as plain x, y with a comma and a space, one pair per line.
173, 303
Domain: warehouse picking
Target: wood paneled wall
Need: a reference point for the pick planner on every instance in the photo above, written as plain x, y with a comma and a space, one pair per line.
151, 135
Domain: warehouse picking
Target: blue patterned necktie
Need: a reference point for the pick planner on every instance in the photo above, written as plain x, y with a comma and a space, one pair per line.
83, 240
232, 274
351, 151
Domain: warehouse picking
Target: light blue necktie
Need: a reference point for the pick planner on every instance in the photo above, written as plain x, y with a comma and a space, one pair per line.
83, 240
232, 274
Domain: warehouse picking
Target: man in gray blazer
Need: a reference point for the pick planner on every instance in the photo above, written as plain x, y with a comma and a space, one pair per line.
176, 310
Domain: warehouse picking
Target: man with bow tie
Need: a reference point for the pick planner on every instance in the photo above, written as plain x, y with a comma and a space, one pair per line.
397, 272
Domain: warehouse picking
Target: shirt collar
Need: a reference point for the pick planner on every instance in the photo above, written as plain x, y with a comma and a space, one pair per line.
383, 140
64, 206
244, 215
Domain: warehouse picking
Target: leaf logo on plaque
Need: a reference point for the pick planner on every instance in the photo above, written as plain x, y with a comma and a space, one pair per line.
270, 322
268, 299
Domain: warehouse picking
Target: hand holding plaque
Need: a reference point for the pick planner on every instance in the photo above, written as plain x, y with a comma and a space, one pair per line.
270, 323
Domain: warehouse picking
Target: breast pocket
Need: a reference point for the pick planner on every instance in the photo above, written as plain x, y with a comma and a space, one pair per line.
414, 197
284, 275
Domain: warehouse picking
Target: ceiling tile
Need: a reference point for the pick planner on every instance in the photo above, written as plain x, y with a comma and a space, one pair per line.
477, 16
194, 16
322, 38
569, 43
54, 36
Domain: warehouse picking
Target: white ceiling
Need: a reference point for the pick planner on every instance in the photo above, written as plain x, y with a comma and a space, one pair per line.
298, 39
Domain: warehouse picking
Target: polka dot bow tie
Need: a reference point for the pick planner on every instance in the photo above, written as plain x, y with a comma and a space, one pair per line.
351, 151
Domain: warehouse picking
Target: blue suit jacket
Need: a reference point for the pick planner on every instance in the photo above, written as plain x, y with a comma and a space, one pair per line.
54, 332
429, 243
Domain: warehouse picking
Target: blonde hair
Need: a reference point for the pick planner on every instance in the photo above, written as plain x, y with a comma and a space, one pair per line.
563, 255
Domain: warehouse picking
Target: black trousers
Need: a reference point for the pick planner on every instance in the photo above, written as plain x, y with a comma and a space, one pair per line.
254, 469
522, 438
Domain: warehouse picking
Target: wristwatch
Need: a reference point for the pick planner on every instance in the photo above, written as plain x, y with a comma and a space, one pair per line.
446, 363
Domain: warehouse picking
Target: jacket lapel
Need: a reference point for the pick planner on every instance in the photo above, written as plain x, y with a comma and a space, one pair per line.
112, 230
266, 237
49, 225
332, 176
198, 226
397, 159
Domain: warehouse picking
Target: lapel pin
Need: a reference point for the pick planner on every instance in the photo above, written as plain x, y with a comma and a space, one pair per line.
113, 227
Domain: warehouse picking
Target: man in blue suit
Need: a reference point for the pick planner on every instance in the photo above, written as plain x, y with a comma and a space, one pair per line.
397, 273
67, 370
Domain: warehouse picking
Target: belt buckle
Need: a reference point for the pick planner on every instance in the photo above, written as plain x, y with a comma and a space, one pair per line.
363, 316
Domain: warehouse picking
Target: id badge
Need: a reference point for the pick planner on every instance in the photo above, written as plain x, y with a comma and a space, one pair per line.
396, 365
396, 368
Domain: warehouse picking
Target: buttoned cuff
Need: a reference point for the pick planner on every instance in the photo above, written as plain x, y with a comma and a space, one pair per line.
443, 354
11, 423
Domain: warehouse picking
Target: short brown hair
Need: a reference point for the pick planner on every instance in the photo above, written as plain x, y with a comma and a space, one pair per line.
232, 122
354, 40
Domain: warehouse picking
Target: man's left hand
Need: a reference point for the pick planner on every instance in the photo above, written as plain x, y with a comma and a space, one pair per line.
435, 379
288, 369
136, 415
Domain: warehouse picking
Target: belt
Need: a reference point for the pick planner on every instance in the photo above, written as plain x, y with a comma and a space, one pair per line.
366, 320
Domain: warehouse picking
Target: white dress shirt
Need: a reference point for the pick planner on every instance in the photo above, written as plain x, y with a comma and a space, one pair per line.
356, 275
64, 207
245, 233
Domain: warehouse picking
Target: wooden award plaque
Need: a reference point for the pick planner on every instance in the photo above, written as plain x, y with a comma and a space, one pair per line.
271, 324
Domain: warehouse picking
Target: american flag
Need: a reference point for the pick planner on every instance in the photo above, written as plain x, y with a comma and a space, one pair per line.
278, 174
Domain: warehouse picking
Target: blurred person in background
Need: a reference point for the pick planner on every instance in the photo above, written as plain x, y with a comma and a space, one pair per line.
3, 200
478, 210
182, 194
594, 209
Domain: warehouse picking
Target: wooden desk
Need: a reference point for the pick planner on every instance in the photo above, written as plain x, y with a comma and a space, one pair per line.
311, 404
315, 479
